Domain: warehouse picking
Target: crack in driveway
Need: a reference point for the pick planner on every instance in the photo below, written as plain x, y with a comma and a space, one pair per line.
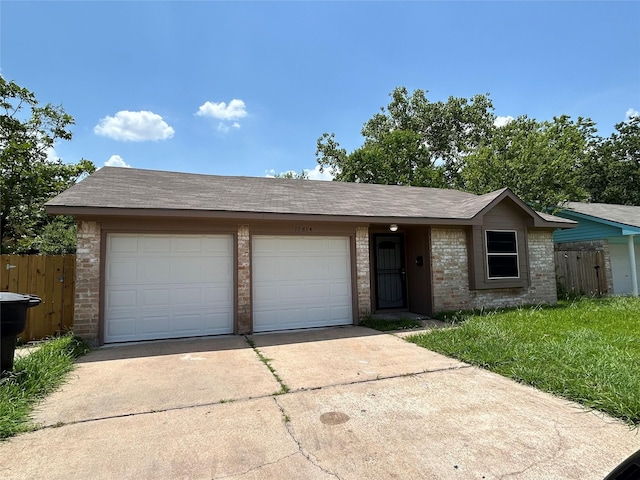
301, 449
253, 469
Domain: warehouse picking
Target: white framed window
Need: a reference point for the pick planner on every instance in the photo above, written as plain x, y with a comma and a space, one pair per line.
502, 254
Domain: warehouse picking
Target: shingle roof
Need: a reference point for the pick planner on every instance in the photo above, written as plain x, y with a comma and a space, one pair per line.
624, 214
112, 188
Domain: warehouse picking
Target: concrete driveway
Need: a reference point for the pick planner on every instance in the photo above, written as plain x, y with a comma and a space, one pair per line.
360, 404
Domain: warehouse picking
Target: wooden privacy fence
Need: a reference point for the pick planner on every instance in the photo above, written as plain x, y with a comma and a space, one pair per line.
581, 271
50, 277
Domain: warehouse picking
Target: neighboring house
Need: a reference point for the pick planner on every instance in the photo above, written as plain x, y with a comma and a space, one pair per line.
164, 255
611, 229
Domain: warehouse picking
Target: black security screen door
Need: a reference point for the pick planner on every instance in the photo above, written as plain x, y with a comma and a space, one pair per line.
390, 272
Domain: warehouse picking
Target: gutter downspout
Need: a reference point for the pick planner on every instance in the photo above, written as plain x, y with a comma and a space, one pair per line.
632, 263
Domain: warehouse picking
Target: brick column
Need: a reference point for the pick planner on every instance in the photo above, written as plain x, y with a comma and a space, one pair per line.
87, 295
449, 269
244, 323
363, 278
542, 268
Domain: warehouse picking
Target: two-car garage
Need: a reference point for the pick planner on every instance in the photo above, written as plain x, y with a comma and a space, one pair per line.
182, 285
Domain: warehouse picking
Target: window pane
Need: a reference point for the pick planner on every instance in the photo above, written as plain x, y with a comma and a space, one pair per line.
503, 266
501, 242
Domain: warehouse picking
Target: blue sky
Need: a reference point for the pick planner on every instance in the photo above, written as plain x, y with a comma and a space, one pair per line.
246, 88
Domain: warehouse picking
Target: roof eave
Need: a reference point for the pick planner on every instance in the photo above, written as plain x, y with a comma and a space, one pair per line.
630, 229
102, 212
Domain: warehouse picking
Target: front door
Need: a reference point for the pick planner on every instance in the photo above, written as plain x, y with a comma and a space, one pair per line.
390, 271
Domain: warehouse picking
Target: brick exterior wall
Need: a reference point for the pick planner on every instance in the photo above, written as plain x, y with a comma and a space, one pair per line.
244, 323
450, 274
87, 296
593, 246
363, 265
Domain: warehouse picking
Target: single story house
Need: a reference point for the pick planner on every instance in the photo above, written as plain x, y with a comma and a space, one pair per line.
166, 255
612, 229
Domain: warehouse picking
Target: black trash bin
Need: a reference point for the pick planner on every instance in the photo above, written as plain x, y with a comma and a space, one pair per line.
13, 320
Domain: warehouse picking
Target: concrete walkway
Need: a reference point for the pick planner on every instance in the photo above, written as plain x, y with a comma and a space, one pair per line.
359, 405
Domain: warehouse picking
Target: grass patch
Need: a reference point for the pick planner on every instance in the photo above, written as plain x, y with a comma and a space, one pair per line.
586, 350
284, 388
34, 377
386, 325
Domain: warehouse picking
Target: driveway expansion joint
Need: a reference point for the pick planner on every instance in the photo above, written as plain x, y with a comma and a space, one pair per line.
379, 378
267, 362
151, 412
233, 400
301, 449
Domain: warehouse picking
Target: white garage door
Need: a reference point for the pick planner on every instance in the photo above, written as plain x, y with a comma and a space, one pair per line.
301, 282
621, 267
167, 286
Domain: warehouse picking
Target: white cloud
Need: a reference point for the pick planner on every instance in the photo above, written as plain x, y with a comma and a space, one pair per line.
313, 174
52, 155
221, 111
227, 114
116, 161
632, 113
134, 127
502, 121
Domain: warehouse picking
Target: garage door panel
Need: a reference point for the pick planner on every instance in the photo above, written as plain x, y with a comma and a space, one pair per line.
120, 326
337, 267
301, 281
291, 292
338, 313
155, 297
263, 268
264, 293
316, 291
155, 244
118, 272
189, 244
216, 267
338, 245
122, 244
187, 323
218, 296
154, 271
186, 270
166, 286
221, 245
318, 245
340, 289
153, 324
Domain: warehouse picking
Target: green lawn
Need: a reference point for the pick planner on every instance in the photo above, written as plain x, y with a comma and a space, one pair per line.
586, 350
387, 324
33, 377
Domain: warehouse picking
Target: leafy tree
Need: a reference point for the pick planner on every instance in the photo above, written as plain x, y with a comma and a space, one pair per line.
611, 173
302, 175
412, 141
539, 161
29, 177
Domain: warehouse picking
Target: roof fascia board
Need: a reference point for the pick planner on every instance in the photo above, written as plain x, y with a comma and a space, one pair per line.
93, 212
622, 226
